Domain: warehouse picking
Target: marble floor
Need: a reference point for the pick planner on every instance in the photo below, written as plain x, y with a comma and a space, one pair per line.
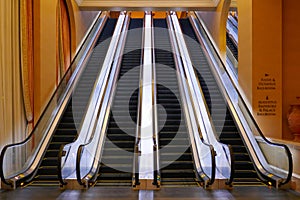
188, 193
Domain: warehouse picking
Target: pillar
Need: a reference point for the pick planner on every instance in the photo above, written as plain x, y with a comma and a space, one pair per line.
260, 61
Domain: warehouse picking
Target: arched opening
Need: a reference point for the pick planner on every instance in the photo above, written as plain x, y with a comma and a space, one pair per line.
64, 48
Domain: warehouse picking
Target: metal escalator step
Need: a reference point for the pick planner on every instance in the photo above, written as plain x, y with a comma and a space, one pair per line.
229, 135
112, 176
178, 173
173, 156
115, 168
66, 131
243, 165
228, 132
117, 155
51, 153
177, 166
177, 182
248, 182
50, 161
44, 184
238, 149
48, 170
245, 174
241, 157
63, 138
233, 141
117, 159
114, 183
46, 178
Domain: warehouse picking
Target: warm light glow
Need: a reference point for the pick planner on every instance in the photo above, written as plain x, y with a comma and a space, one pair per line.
148, 5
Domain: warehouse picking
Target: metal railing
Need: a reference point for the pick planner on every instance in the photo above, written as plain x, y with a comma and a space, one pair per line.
69, 157
224, 158
156, 161
203, 153
30, 152
261, 150
89, 154
136, 163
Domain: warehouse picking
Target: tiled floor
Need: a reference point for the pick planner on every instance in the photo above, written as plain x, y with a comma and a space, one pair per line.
238, 193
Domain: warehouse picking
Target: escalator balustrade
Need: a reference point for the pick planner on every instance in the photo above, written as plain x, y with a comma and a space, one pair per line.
117, 160
175, 153
67, 128
245, 173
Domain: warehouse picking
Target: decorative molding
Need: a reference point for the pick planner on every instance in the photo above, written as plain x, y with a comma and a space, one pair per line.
176, 5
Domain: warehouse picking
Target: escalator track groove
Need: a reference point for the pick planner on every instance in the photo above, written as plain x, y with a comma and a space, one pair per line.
67, 129
117, 158
175, 153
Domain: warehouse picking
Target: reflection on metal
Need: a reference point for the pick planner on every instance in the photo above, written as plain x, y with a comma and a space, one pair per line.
232, 29
86, 132
203, 154
245, 122
146, 158
177, 5
223, 156
89, 155
44, 130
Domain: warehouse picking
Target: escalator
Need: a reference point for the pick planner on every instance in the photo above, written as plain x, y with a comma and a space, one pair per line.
232, 47
117, 158
175, 153
245, 173
67, 128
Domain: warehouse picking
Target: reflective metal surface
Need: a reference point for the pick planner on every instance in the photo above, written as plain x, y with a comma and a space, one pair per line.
223, 160
261, 152
146, 163
203, 154
87, 129
30, 151
89, 155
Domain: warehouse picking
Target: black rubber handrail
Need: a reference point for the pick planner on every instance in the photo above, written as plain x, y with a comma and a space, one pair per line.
201, 174
290, 172
68, 73
114, 75
80, 148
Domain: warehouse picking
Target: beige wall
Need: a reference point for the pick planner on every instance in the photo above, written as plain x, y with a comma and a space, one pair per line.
44, 35
269, 44
245, 46
260, 61
45, 47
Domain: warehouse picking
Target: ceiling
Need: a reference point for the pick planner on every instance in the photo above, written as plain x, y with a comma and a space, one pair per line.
176, 5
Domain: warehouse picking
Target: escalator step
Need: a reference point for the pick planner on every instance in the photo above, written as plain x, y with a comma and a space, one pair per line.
117, 159
66, 130
178, 165
227, 131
